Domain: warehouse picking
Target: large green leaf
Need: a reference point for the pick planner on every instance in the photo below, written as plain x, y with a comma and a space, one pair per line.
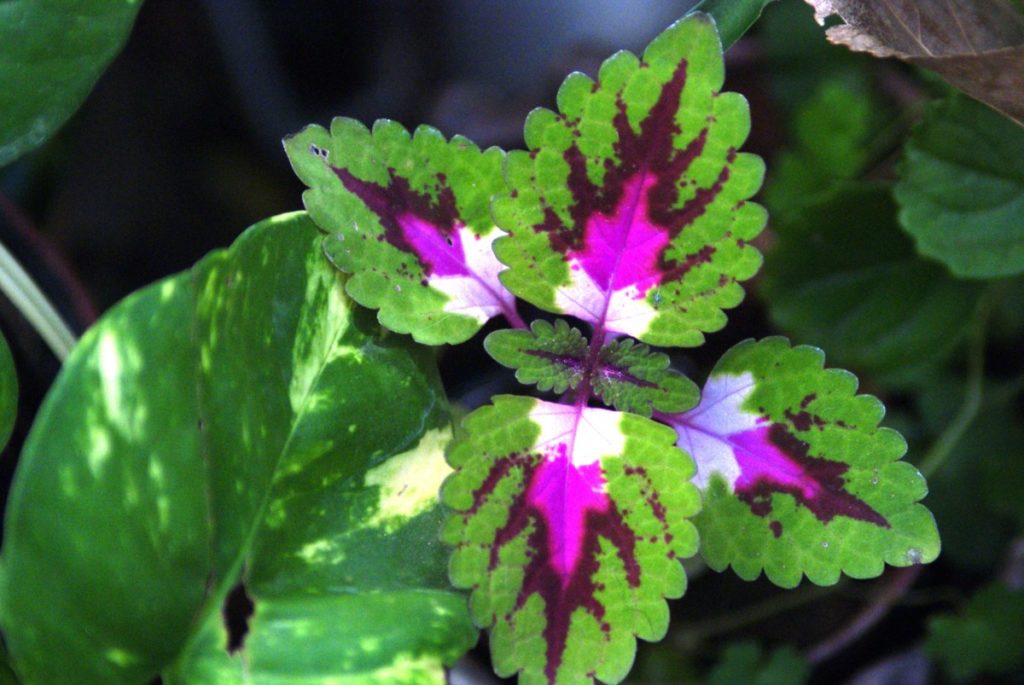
51, 53
962, 191
226, 425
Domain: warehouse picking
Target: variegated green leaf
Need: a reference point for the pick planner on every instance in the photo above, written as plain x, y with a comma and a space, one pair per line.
409, 217
224, 426
798, 478
630, 210
569, 524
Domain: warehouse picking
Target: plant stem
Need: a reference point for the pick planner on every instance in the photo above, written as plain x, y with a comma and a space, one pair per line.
947, 441
901, 581
751, 614
733, 17
24, 294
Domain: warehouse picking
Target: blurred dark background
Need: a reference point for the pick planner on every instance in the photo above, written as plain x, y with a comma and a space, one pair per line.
177, 151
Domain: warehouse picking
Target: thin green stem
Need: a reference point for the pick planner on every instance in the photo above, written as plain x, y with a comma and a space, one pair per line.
973, 394
24, 294
733, 17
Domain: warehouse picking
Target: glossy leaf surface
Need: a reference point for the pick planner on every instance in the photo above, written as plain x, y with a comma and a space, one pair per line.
409, 217
51, 54
962, 191
630, 211
798, 478
224, 426
568, 524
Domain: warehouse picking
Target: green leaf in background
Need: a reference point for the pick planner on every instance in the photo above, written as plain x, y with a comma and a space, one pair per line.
798, 478
832, 131
8, 393
844, 276
569, 525
986, 638
631, 209
746, 663
409, 217
962, 191
799, 58
51, 54
238, 422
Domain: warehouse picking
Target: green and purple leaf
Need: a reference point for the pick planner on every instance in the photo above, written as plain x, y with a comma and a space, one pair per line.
409, 217
625, 375
569, 524
630, 210
631, 377
797, 476
552, 356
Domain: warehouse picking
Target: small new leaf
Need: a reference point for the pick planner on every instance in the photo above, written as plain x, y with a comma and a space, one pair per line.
568, 523
630, 210
552, 356
797, 476
409, 217
631, 377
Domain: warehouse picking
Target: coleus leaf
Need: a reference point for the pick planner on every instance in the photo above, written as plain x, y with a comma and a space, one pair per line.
409, 217
632, 377
625, 375
797, 476
552, 356
630, 210
568, 524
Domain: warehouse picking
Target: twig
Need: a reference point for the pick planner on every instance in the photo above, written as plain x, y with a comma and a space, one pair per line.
24, 294
971, 404
867, 618
752, 614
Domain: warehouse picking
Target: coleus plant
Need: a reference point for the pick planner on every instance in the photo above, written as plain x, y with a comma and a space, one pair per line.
630, 212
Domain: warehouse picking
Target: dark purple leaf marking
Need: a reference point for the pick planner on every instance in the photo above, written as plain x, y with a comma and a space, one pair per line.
619, 233
773, 460
566, 510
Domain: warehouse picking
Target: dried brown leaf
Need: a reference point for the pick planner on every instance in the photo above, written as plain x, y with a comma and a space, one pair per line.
976, 45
